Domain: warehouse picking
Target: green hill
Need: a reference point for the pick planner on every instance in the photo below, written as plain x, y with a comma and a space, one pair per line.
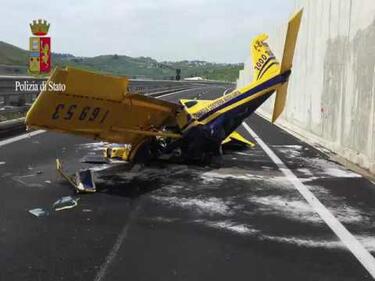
13, 60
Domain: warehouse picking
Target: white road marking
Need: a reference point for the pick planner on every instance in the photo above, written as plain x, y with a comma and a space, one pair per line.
116, 247
21, 137
354, 246
124, 232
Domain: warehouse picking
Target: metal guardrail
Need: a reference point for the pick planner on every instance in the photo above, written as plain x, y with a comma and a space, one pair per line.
8, 85
10, 127
14, 109
11, 91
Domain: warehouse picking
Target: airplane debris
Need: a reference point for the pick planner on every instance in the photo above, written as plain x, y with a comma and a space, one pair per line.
194, 129
65, 202
85, 181
39, 212
82, 181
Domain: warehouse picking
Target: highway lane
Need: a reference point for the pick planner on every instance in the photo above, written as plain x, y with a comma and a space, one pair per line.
243, 221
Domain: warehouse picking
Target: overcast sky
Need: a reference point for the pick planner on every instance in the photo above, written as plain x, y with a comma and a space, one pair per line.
212, 30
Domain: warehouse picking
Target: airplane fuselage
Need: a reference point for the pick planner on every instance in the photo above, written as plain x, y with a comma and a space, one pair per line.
208, 127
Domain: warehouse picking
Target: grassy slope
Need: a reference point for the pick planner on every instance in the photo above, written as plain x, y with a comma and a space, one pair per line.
12, 55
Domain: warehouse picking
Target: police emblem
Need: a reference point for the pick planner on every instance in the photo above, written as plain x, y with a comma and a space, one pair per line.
40, 48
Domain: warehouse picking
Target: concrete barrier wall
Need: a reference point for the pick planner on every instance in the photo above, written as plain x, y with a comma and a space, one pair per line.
331, 99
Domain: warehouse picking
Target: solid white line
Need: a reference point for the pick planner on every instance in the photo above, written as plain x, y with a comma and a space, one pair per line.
357, 249
21, 137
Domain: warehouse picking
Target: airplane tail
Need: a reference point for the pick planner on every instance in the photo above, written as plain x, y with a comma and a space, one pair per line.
264, 61
267, 66
286, 63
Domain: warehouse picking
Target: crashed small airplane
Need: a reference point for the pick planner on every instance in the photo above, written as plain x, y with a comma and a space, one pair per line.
100, 107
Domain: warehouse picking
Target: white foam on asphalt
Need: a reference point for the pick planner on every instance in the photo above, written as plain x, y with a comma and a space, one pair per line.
251, 232
210, 205
330, 169
354, 246
172, 189
305, 172
290, 150
290, 208
367, 241
164, 219
231, 226
320, 168
94, 146
239, 174
310, 243
299, 210
211, 176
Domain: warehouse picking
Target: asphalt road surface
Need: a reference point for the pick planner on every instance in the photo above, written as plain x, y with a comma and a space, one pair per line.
247, 220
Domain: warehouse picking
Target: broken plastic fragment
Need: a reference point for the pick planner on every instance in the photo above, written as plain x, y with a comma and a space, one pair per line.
66, 202
85, 181
39, 212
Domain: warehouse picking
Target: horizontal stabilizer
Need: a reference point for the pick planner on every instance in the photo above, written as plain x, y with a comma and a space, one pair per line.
237, 138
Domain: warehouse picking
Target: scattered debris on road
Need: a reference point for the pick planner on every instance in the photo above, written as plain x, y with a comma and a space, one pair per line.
66, 202
39, 212
82, 181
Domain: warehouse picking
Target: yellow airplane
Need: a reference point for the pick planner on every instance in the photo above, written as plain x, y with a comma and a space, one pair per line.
100, 107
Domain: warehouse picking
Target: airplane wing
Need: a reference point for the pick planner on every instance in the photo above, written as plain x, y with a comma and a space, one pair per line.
99, 106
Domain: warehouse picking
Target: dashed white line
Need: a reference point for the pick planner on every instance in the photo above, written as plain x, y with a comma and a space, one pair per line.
116, 247
20, 137
354, 246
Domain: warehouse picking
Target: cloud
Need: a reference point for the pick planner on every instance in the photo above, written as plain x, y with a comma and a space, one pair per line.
166, 30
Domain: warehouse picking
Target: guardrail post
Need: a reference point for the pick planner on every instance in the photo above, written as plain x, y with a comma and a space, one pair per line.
6, 100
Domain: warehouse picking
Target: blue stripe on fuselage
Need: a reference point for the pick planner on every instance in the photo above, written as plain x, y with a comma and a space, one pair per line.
281, 78
230, 120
